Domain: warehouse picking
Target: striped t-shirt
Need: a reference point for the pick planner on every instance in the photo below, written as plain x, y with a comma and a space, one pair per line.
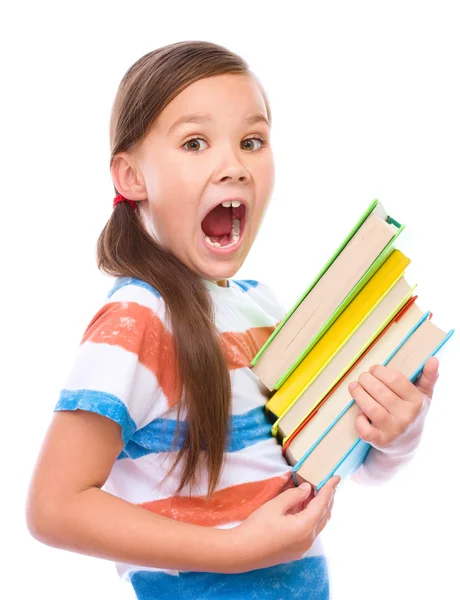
124, 370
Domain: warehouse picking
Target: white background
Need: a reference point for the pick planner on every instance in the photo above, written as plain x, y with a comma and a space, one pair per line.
365, 100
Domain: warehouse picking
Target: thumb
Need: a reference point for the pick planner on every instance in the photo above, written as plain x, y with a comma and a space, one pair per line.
292, 497
429, 376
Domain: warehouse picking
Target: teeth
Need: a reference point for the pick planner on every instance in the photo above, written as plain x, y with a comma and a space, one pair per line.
235, 235
234, 203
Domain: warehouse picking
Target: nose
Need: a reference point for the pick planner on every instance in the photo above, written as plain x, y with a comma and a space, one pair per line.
232, 168
234, 177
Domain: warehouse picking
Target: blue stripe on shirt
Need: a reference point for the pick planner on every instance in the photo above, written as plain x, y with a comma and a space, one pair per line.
304, 579
123, 281
247, 429
246, 284
102, 403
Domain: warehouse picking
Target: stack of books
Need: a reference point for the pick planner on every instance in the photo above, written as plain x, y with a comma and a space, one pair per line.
359, 311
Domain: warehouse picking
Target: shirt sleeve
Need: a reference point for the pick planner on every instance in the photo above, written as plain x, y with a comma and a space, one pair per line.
381, 464
121, 368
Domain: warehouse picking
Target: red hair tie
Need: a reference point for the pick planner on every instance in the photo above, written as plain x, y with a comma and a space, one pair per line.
120, 198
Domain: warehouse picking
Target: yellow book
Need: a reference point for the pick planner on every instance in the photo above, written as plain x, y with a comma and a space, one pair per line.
342, 329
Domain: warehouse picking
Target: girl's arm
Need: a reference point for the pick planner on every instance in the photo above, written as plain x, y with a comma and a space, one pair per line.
67, 509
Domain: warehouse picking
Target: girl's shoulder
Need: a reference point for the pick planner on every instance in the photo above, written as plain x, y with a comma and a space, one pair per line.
129, 294
131, 287
123, 365
132, 314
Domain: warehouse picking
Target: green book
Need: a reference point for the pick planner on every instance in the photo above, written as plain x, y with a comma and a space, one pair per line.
268, 368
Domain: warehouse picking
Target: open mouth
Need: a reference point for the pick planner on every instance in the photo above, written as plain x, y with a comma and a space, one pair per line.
224, 226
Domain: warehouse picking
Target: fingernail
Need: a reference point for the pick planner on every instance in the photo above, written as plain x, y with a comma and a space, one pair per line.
304, 485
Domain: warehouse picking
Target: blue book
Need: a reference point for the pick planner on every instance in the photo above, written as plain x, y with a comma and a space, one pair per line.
339, 450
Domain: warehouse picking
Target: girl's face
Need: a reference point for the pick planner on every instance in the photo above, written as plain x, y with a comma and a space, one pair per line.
187, 169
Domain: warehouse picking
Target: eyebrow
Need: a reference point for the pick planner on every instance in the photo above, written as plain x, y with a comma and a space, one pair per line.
206, 117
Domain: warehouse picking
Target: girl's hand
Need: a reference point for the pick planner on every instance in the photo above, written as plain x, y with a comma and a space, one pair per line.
282, 530
391, 401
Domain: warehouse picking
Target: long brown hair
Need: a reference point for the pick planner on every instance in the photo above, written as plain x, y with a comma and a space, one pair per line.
125, 248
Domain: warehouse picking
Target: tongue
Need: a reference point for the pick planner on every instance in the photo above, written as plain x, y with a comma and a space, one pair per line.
218, 222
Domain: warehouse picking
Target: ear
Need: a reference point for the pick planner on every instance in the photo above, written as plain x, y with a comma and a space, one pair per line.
127, 178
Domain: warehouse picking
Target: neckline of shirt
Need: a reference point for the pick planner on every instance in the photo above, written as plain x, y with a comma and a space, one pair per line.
214, 287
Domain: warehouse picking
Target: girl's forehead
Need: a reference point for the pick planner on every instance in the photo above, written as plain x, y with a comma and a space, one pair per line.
213, 98
200, 118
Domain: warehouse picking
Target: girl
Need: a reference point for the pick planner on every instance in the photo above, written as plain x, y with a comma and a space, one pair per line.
159, 456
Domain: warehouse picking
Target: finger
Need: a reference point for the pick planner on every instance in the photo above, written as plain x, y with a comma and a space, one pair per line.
300, 507
377, 413
380, 392
319, 505
365, 430
289, 499
429, 376
401, 385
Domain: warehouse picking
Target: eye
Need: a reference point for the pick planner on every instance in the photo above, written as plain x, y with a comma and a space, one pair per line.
260, 140
194, 140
